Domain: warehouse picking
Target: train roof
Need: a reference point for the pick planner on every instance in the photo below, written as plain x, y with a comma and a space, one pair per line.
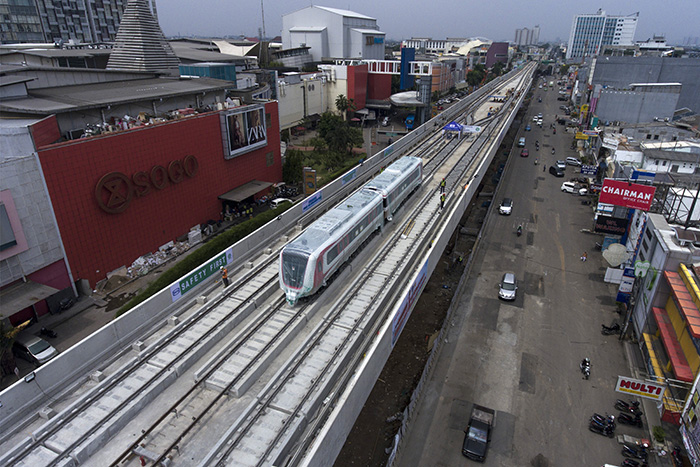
394, 171
321, 230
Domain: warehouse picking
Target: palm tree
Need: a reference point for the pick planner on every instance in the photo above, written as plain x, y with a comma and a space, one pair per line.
343, 104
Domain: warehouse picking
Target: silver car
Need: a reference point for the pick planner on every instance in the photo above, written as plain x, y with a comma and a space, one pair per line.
507, 287
34, 349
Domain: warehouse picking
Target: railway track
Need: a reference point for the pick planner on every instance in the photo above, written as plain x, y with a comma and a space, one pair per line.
88, 424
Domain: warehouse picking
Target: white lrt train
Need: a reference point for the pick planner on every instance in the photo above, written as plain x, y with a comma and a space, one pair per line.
309, 260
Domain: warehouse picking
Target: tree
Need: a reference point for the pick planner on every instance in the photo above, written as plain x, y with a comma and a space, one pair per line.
339, 137
293, 167
7, 338
343, 104
474, 77
497, 68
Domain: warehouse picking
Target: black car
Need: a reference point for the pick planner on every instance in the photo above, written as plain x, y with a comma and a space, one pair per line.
556, 171
562, 98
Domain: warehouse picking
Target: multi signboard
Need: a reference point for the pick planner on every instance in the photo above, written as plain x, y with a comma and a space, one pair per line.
635, 387
243, 130
631, 195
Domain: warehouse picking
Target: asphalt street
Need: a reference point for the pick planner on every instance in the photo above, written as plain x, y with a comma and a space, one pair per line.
521, 358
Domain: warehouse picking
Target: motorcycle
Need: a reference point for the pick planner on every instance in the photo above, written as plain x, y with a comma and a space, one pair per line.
608, 420
552, 150
585, 367
636, 452
520, 230
633, 463
47, 332
537, 161
609, 330
602, 430
676, 454
629, 419
632, 407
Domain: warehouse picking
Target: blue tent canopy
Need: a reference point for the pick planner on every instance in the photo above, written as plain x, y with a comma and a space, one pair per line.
452, 126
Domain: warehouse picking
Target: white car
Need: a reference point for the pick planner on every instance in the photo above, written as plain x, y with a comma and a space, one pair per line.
506, 207
277, 202
573, 161
571, 187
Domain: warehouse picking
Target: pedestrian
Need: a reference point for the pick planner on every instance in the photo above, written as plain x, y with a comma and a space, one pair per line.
442, 200
442, 185
224, 275
544, 168
584, 256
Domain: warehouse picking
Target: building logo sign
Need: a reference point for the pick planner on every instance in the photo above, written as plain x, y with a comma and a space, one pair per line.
243, 130
115, 191
640, 388
631, 195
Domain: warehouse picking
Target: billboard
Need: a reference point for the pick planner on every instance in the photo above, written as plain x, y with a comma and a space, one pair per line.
636, 387
243, 130
611, 225
631, 195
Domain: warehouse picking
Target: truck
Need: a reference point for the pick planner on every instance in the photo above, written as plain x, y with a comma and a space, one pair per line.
478, 433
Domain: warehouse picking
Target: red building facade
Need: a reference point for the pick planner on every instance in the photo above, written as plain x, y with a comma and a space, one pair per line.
119, 196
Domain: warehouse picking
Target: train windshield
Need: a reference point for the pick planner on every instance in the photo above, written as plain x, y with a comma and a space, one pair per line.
293, 267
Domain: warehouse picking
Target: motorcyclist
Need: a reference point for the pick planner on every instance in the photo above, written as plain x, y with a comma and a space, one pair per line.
552, 150
520, 229
586, 362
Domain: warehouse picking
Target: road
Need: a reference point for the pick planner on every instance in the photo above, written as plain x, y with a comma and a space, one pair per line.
521, 358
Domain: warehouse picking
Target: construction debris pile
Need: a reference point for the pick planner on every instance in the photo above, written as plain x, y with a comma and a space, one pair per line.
146, 263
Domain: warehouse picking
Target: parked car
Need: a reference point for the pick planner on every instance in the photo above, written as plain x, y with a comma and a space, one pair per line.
521, 142
277, 202
561, 165
385, 121
506, 207
524, 152
33, 349
508, 287
556, 171
573, 161
571, 187
562, 98
527, 127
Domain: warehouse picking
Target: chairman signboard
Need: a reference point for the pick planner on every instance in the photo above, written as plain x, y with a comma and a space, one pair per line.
631, 195
243, 130
635, 387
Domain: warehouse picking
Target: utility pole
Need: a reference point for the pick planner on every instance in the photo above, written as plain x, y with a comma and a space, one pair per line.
262, 11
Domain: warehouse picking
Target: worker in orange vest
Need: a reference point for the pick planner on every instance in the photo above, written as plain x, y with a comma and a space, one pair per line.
224, 275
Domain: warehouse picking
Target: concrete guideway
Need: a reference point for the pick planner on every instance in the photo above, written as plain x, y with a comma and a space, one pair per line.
350, 327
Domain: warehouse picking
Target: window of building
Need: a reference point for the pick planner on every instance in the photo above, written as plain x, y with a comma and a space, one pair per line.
656, 137
7, 235
664, 163
648, 136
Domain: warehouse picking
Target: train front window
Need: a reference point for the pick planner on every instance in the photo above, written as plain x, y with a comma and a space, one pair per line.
294, 267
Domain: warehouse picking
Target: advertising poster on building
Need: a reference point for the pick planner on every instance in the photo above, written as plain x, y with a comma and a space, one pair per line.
631, 195
309, 180
244, 130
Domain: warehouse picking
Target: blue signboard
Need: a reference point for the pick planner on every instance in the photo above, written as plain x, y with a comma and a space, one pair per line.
311, 201
348, 177
589, 169
408, 55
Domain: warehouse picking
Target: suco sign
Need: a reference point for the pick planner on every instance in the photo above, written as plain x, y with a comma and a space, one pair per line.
631, 195
639, 388
114, 191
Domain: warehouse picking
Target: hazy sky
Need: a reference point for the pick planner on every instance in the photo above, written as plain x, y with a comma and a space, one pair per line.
439, 19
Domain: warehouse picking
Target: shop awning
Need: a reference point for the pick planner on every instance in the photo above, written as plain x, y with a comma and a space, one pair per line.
681, 369
245, 191
22, 295
685, 302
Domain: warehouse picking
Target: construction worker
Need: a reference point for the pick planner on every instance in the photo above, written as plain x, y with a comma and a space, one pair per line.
224, 275
442, 200
442, 185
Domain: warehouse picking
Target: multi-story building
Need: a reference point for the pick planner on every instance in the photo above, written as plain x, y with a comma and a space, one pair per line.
88, 21
333, 33
590, 32
527, 36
